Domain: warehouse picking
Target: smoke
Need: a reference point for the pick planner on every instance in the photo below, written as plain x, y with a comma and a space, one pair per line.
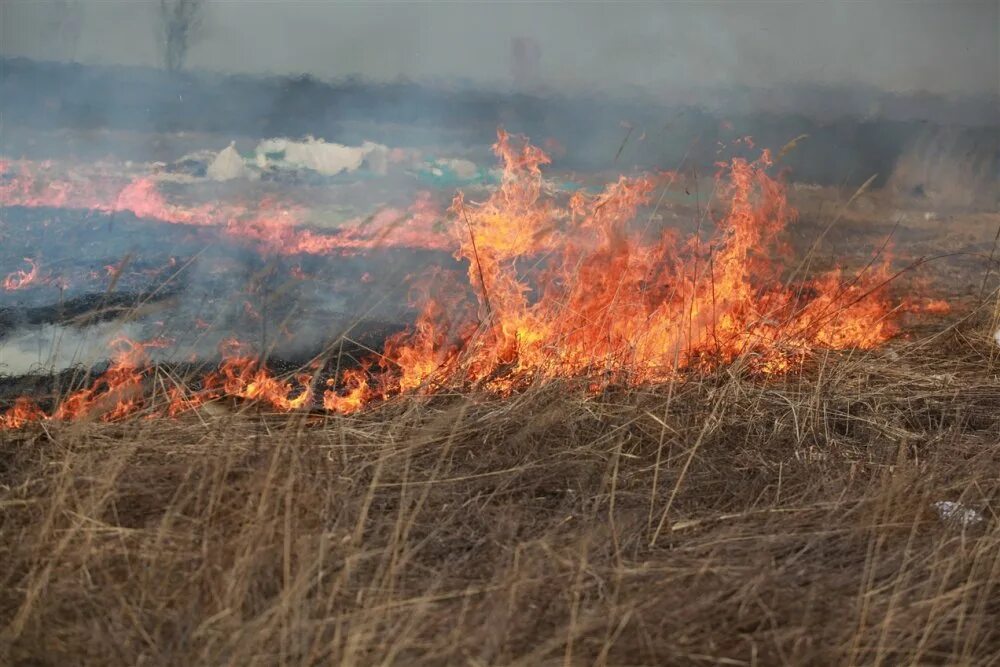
951, 167
445, 75
942, 47
52, 348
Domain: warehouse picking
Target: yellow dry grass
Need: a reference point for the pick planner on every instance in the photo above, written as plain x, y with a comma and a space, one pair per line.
716, 520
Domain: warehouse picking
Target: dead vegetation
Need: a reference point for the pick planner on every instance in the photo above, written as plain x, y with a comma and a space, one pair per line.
715, 520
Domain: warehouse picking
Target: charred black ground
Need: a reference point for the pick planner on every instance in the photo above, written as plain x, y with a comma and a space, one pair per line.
195, 288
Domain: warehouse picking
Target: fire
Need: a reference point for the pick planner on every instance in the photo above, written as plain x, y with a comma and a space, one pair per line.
118, 392
242, 376
114, 395
569, 287
270, 226
357, 394
179, 401
573, 290
24, 412
21, 279
932, 307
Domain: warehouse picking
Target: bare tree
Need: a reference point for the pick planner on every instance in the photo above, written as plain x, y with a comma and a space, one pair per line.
181, 22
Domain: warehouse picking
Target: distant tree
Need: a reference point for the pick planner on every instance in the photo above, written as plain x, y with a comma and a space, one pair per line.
181, 22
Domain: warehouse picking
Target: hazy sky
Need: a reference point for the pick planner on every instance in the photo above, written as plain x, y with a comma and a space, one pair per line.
941, 46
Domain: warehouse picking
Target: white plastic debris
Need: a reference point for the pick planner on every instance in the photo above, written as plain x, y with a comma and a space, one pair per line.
321, 157
957, 513
463, 169
996, 336
227, 165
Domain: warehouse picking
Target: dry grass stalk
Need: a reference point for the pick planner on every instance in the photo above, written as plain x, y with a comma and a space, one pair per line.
717, 520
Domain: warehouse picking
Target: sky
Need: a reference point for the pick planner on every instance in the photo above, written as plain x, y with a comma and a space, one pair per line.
938, 46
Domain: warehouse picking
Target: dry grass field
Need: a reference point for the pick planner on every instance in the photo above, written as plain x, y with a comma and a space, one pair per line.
516, 334
722, 517
714, 520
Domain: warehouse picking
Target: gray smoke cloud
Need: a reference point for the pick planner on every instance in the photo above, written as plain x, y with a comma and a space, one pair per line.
939, 46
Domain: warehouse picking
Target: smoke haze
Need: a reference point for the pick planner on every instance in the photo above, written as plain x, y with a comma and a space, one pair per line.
941, 47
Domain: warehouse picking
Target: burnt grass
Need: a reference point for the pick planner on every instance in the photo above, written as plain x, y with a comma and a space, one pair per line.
718, 519
83, 310
163, 279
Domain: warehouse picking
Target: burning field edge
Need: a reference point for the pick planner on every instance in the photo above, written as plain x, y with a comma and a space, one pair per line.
716, 518
558, 286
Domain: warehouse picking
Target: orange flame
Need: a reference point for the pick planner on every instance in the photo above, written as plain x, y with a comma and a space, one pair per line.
23, 412
179, 401
566, 291
118, 392
21, 279
357, 394
242, 376
114, 395
271, 226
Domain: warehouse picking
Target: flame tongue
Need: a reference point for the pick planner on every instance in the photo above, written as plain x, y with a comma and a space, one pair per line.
118, 392
241, 376
357, 394
611, 302
271, 226
23, 412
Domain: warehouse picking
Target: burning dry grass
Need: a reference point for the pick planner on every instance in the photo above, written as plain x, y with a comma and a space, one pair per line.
725, 510
718, 519
569, 289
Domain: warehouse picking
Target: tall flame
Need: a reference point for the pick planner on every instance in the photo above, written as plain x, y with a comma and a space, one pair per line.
573, 290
